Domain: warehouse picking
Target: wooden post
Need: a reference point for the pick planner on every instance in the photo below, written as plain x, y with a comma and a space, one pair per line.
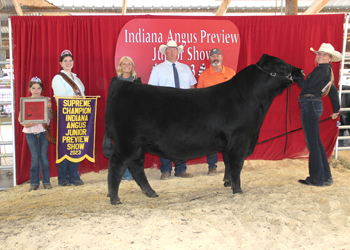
17, 7
223, 7
124, 7
291, 7
316, 7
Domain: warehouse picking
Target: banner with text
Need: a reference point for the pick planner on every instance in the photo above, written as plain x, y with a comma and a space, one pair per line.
140, 39
76, 129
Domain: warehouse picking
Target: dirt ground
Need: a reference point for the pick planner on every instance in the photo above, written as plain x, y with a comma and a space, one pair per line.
274, 212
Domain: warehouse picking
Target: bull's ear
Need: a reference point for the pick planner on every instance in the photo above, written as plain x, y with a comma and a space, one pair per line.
262, 60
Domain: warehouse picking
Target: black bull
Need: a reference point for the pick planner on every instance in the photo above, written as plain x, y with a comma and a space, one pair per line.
180, 124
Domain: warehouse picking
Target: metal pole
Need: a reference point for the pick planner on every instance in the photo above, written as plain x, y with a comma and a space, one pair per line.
341, 72
12, 104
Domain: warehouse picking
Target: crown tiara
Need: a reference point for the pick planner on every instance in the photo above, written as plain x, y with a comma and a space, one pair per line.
36, 79
66, 52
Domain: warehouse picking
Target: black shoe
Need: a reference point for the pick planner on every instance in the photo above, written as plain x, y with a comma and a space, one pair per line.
304, 182
328, 182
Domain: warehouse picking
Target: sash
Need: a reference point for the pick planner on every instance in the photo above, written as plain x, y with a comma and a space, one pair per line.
71, 83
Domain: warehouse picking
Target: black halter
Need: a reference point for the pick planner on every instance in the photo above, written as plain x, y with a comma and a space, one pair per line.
273, 74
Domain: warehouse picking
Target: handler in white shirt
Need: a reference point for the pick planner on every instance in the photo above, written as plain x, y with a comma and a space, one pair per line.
164, 75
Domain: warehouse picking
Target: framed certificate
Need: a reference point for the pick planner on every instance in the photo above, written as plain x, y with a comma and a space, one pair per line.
34, 109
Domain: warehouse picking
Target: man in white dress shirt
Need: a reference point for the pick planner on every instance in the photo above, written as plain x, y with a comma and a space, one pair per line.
172, 73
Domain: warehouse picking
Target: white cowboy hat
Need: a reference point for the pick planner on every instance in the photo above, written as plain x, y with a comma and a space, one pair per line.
171, 44
329, 49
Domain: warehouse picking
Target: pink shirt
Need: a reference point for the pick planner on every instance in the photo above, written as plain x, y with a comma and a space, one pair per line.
34, 130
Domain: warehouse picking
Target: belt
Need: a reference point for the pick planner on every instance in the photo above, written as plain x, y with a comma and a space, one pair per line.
307, 95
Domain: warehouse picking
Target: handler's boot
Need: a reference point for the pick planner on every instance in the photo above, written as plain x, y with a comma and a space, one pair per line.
184, 175
165, 176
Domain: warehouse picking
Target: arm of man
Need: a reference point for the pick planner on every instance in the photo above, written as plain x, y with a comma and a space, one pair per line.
192, 79
154, 78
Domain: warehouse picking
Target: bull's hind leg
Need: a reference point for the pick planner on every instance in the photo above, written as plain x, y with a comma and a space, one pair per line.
236, 169
116, 169
227, 176
137, 171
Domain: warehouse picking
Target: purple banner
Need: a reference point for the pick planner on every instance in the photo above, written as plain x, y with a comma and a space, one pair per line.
76, 129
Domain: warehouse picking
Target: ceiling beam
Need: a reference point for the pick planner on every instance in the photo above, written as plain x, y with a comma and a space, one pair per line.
124, 7
37, 4
142, 10
316, 7
17, 7
223, 7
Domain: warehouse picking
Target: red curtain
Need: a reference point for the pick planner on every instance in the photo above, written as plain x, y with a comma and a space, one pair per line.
38, 41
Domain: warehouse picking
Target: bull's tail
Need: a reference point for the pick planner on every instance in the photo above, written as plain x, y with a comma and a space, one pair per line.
107, 145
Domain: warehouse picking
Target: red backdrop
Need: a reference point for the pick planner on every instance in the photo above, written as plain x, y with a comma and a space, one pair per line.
38, 41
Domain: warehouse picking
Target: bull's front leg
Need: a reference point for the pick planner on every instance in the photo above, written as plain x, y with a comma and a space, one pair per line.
236, 177
115, 173
233, 166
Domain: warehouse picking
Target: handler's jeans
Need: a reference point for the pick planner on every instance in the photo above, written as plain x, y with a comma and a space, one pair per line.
38, 145
166, 166
212, 160
311, 111
68, 172
127, 175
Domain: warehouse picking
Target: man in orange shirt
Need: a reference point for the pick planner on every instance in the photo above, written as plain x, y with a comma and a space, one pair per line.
216, 74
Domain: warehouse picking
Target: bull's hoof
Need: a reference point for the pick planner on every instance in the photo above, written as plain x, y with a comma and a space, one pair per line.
227, 183
115, 201
237, 191
150, 194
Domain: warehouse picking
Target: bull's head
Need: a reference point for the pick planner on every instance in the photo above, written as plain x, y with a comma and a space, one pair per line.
277, 67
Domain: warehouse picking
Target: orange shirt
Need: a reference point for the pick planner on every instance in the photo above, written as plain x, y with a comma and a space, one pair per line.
209, 77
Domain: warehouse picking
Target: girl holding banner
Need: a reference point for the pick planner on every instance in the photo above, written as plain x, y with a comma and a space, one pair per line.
68, 84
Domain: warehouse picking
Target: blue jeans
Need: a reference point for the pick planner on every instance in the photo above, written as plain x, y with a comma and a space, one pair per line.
212, 160
166, 166
319, 170
68, 172
38, 145
127, 175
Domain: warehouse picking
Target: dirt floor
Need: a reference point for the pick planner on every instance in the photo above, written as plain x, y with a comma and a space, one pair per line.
274, 212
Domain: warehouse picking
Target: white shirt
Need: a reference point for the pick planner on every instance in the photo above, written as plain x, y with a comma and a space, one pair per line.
62, 88
163, 75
